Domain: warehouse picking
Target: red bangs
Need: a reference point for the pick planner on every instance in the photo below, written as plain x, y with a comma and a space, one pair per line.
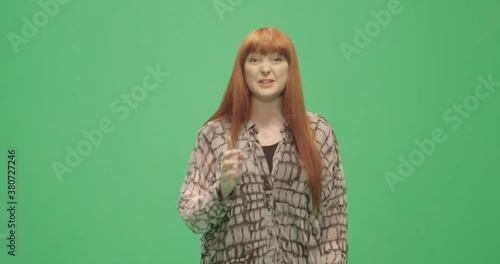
266, 41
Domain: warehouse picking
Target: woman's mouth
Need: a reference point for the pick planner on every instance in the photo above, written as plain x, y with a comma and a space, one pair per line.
265, 83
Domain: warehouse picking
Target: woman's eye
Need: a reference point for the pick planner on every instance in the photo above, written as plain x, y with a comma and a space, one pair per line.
278, 59
252, 60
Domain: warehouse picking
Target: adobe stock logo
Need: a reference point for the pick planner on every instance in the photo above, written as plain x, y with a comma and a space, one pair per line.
427, 146
30, 27
95, 136
364, 36
222, 7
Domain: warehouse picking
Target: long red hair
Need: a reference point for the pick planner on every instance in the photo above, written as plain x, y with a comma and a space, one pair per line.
236, 104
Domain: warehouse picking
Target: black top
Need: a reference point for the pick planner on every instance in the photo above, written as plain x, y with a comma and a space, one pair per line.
269, 152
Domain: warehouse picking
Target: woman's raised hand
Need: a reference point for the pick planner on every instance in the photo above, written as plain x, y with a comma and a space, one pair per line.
230, 169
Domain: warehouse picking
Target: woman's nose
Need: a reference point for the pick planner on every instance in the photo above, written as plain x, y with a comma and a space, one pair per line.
265, 69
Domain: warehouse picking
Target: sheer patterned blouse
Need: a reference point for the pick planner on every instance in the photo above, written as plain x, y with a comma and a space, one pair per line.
269, 217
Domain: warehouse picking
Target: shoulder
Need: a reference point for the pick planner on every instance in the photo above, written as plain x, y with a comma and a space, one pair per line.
319, 123
213, 129
324, 134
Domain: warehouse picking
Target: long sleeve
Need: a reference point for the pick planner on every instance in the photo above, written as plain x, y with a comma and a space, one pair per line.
333, 217
200, 205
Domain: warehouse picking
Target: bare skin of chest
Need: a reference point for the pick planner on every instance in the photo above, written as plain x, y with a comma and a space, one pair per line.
269, 136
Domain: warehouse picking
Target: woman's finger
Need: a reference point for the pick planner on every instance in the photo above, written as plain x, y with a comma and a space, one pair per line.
232, 163
229, 153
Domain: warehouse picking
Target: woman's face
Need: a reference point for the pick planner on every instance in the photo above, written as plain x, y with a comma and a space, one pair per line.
266, 75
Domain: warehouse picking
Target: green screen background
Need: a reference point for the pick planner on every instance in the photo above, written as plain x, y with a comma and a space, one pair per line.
118, 205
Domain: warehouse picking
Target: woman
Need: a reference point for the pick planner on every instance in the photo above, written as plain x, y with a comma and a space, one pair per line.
265, 182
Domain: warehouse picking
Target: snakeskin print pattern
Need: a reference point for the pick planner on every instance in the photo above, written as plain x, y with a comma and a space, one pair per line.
269, 217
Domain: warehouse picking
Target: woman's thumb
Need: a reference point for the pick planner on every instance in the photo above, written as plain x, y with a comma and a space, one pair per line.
229, 143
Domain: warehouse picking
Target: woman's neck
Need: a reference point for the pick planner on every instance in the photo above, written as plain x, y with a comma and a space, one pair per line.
267, 114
